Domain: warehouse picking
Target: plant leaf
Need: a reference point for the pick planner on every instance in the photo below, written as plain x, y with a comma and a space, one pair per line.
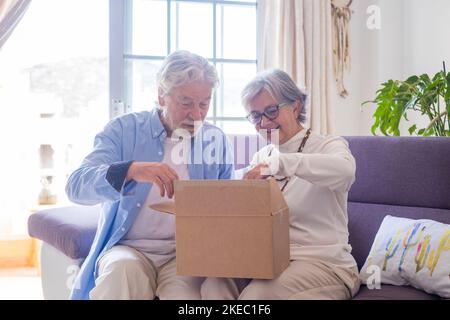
412, 129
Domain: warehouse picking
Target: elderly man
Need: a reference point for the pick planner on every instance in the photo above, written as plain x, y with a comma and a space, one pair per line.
135, 161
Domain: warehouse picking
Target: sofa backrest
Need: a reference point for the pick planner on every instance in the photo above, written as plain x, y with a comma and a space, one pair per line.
406, 171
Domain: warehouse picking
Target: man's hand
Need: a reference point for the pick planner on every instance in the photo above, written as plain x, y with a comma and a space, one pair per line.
260, 171
154, 172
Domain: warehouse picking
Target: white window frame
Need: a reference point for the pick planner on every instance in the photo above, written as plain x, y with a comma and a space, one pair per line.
119, 35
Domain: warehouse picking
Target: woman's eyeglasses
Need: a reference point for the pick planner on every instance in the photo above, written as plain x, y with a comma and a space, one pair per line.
271, 113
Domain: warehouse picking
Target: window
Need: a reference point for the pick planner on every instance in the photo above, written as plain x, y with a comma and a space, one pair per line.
222, 31
54, 98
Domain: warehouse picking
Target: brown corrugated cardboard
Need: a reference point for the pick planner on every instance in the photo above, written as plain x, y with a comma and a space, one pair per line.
230, 228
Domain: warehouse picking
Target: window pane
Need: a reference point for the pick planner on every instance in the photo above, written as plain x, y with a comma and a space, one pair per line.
236, 40
252, 1
141, 83
192, 27
236, 127
149, 27
233, 78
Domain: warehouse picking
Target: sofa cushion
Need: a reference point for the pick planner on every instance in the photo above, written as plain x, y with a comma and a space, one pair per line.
69, 229
388, 292
364, 220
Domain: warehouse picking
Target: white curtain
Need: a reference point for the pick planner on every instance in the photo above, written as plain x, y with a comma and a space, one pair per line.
11, 11
296, 36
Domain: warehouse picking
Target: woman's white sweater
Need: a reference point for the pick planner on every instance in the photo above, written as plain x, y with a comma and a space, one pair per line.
316, 194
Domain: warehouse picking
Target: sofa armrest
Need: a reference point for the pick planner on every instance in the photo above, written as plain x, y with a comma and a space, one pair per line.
69, 229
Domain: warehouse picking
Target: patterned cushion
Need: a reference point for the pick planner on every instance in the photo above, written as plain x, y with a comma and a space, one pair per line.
410, 252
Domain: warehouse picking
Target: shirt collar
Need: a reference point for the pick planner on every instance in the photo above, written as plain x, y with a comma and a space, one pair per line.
156, 124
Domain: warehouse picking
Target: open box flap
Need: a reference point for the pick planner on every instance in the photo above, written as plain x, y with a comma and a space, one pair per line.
225, 198
277, 202
222, 198
166, 207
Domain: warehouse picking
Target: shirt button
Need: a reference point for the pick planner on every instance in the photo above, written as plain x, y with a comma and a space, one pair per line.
138, 205
123, 229
160, 152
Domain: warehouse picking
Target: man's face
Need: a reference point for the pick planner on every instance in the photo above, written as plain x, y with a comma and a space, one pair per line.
186, 105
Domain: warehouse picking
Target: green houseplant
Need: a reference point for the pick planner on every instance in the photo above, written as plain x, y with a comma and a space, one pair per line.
429, 96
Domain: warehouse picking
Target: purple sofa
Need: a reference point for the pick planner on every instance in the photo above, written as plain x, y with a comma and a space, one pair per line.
402, 176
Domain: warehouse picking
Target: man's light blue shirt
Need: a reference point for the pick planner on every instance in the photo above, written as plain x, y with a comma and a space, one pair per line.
134, 137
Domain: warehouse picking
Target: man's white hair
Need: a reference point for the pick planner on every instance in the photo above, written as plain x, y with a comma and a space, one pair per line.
182, 67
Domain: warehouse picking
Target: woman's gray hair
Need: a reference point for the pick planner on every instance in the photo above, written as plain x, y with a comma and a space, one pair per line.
280, 86
182, 67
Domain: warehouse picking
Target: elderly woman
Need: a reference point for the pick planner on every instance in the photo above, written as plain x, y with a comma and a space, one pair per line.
315, 173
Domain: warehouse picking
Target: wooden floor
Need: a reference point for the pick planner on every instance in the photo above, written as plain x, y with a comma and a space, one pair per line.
20, 284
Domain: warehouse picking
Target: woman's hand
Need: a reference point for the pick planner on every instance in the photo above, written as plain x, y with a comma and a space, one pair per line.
260, 171
154, 172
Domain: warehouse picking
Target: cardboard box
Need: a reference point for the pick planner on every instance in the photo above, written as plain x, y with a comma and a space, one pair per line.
230, 228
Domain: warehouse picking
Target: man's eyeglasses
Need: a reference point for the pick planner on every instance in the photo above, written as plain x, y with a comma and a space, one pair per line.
271, 113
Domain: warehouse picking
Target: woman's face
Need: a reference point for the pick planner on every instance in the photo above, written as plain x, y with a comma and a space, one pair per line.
284, 126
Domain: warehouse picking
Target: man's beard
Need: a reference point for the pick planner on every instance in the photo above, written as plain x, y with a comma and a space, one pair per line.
188, 128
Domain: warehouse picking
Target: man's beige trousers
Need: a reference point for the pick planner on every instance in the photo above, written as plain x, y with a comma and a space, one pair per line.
125, 273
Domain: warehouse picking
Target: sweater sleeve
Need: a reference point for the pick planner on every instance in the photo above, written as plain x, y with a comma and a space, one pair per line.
333, 167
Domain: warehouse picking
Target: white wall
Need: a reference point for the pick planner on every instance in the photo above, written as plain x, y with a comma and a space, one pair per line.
347, 112
367, 72
426, 41
414, 38
426, 36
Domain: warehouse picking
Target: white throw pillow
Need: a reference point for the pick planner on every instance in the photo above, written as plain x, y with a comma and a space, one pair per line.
410, 252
